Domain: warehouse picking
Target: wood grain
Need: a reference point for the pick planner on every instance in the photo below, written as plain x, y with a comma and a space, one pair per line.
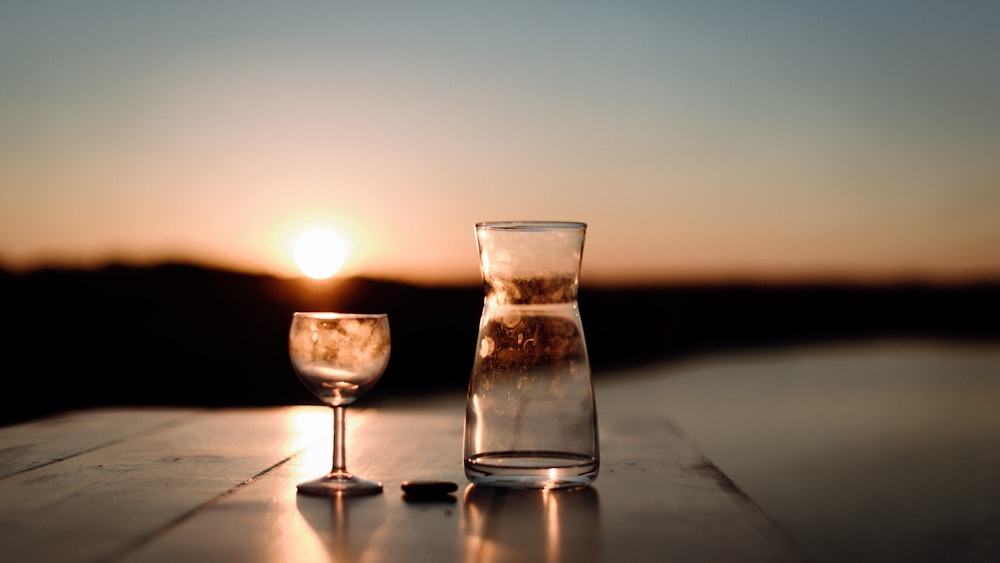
219, 485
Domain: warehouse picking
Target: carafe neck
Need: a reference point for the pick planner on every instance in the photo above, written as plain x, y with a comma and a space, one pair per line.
530, 263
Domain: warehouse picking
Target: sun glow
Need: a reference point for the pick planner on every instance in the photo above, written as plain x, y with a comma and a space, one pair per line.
319, 253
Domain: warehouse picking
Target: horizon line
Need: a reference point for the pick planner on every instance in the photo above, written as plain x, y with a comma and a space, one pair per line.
638, 281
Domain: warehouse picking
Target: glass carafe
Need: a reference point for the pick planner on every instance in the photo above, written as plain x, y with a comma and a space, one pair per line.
531, 418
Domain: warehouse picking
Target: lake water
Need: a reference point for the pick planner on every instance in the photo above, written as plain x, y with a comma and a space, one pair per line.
882, 451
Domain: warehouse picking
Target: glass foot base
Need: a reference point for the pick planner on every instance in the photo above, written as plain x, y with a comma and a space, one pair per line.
340, 486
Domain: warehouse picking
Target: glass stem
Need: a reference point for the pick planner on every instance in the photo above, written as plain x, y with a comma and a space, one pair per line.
339, 455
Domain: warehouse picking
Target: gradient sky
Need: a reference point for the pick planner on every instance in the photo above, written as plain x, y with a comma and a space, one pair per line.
696, 138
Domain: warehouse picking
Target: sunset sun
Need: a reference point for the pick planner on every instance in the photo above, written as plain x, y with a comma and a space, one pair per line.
319, 253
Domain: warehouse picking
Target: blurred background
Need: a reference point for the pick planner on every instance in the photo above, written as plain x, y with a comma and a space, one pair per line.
792, 207
698, 139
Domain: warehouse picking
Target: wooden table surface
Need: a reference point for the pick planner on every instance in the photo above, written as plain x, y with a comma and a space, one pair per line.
185, 485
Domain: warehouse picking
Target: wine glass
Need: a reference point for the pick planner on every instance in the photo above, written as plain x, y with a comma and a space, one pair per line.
339, 356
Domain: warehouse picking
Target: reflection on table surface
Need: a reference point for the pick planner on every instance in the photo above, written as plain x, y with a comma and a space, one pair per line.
494, 524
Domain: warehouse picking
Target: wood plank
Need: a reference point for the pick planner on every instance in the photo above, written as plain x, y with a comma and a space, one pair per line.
670, 503
220, 486
101, 501
268, 521
657, 499
33, 444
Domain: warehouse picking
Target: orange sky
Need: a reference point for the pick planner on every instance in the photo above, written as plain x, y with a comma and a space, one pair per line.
733, 141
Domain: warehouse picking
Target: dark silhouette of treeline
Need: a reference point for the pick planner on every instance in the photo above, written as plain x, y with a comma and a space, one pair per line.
187, 335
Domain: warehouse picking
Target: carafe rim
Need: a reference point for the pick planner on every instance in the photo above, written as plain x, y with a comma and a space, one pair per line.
531, 225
